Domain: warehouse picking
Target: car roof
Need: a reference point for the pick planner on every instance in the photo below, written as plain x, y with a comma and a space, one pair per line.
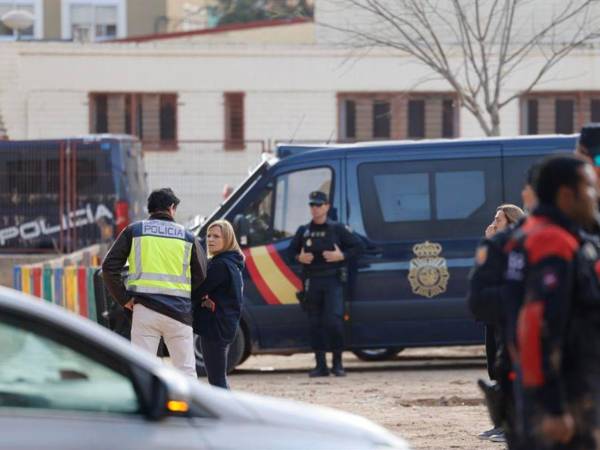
310, 152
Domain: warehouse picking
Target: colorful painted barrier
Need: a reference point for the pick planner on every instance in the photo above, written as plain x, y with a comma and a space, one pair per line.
71, 287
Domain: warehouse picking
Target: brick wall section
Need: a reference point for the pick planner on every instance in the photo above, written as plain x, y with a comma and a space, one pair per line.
399, 105
150, 117
364, 118
584, 113
433, 117
546, 113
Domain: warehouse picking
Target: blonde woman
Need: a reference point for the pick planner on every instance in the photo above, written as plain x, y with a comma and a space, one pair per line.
506, 215
218, 301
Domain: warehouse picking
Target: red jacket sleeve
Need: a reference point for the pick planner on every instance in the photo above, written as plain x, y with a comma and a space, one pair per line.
543, 317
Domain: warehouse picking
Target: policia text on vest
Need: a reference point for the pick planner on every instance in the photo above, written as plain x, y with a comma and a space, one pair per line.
165, 264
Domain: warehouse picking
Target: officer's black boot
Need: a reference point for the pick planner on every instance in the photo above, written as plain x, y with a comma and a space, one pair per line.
338, 368
321, 369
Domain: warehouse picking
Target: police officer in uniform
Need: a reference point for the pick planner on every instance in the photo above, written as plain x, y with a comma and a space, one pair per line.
165, 263
324, 247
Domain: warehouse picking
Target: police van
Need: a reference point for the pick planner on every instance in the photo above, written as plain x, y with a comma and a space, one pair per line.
420, 209
64, 194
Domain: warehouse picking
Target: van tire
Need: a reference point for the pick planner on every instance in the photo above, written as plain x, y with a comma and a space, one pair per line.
234, 356
377, 354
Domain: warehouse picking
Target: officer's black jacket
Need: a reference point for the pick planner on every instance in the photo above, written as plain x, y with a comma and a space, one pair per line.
336, 233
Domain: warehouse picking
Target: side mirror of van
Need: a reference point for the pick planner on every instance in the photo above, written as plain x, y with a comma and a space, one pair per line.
241, 226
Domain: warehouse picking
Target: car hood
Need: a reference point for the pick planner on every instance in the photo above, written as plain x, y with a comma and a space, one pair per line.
241, 406
217, 402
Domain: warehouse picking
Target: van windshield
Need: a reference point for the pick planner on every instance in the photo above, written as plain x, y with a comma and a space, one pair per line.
219, 213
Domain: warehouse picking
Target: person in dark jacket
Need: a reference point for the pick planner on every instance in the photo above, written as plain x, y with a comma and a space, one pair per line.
165, 264
218, 301
487, 290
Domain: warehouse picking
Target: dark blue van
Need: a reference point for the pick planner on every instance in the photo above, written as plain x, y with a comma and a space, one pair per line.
65, 194
420, 207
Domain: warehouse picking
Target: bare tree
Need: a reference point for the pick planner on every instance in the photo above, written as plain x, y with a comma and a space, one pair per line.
477, 45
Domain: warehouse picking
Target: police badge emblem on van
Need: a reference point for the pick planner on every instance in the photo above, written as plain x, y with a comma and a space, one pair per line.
428, 274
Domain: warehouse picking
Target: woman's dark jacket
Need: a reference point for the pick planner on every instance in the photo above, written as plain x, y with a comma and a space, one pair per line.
224, 286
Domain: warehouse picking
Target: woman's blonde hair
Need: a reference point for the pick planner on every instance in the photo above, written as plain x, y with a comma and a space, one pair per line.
229, 240
512, 212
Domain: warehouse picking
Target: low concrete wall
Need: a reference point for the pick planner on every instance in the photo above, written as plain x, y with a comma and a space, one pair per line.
7, 262
80, 257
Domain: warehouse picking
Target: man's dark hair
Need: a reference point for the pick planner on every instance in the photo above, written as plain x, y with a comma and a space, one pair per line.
532, 173
555, 172
161, 200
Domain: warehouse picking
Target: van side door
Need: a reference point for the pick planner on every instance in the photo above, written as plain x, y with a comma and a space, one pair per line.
422, 211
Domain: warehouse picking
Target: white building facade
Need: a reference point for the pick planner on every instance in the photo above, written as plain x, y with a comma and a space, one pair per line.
206, 112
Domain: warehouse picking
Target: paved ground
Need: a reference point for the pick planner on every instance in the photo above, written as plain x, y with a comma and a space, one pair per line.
427, 396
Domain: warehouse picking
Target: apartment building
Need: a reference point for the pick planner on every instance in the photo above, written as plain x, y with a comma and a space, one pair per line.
101, 20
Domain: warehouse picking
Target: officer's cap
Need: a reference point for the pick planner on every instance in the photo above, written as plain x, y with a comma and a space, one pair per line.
590, 138
317, 198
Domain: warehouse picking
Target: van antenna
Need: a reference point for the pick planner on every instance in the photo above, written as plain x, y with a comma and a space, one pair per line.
297, 128
330, 136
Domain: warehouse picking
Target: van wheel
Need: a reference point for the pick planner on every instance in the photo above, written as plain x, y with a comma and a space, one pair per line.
234, 357
377, 354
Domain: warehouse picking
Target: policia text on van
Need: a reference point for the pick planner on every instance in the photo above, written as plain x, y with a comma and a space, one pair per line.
65, 194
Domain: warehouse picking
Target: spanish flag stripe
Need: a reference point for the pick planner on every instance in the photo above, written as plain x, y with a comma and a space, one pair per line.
278, 283
258, 280
287, 272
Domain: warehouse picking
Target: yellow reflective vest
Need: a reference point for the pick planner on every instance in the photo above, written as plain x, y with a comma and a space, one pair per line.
159, 260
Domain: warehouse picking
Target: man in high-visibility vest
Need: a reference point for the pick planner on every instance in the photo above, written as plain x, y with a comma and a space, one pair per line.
165, 264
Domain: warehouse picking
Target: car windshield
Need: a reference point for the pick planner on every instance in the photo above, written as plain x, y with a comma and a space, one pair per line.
37, 372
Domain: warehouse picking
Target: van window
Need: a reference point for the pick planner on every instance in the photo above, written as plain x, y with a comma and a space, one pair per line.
260, 218
468, 186
403, 197
428, 199
282, 206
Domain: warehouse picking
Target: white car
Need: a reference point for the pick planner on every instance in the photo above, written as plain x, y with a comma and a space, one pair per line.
67, 383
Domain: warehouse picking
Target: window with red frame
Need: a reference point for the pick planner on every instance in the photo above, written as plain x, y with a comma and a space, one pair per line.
397, 115
558, 112
152, 117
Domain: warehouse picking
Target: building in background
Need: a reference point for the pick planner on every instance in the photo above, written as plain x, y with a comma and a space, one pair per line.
101, 20
207, 103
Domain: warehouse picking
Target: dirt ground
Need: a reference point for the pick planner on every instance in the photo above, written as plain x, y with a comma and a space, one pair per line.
427, 396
